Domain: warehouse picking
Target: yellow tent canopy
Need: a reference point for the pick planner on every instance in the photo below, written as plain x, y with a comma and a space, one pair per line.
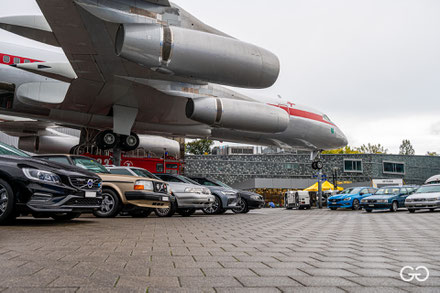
325, 186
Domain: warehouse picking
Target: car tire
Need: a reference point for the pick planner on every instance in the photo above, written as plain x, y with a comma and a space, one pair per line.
166, 213
216, 207
356, 205
411, 211
394, 206
7, 204
368, 210
242, 207
186, 212
432, 210
333, 209
110, 206
141, 213
65, 216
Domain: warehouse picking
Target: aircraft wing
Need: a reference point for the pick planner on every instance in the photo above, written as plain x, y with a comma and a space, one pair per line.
16, 126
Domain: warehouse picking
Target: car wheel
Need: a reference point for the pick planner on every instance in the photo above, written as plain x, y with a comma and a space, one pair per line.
7, 201
333, 209
142, 213
186, 212
166, 213
216, 207
110, 205
65, 216
412, 211
368, 210
394, 206
242, 207
356, 205
431, 210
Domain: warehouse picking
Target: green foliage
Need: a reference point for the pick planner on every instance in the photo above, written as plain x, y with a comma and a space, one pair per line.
406, 148
199, 147
434, 154
344, 150
372, 149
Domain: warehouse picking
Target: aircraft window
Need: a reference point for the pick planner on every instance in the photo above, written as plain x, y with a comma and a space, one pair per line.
325, 117
6, 59
16, 60
27, 61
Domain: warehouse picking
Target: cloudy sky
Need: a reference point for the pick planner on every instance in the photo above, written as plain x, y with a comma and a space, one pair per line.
373, 66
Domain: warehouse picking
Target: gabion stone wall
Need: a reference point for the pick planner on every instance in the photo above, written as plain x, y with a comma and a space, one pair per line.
238, 168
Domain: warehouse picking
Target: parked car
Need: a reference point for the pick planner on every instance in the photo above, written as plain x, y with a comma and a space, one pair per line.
188, 197
43, 189
350, 198
387, 198
425, 197
297, 199
127, 194
225, 196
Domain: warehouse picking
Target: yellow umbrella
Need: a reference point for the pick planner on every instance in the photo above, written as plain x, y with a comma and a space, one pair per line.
325, 186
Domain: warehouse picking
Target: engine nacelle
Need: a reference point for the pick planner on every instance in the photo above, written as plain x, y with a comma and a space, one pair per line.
197, 55
239, 115
47, 144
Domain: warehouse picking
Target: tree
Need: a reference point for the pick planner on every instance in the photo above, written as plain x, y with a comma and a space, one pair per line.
372, 149
344, 150
199, 147
406, 148
434, 154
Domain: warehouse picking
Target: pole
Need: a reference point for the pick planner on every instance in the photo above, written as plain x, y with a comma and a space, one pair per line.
320, 189
117, 156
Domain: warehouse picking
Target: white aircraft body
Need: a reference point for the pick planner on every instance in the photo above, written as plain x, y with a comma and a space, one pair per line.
127, 68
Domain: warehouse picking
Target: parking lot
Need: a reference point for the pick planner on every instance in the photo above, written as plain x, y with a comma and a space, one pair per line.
271, 250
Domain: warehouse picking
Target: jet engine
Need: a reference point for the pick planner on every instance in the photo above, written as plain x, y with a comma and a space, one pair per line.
239, 115
197, 55
47, 144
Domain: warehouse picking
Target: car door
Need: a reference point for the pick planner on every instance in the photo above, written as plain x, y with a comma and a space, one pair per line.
364, 193
402, 196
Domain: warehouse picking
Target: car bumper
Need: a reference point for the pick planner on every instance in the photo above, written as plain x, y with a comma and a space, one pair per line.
146, 199
376, 206
255, 204
231, 202
42, 203
340, 204
423, 205
194, 200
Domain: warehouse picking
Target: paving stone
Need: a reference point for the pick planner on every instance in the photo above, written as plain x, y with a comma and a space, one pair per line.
267, 281
329, 272
248, 290
311, 290
375, 290
209, 282
323, 281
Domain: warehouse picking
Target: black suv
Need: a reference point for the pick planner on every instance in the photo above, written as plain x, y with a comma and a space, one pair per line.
44, 189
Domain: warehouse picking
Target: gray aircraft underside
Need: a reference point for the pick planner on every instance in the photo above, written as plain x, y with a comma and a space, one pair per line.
165, 77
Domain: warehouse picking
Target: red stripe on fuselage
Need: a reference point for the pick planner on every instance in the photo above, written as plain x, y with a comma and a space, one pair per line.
8, 59
303, 114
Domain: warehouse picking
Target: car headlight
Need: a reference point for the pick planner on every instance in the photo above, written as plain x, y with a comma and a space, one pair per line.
382, 200
256, 197
143, 185
347, 199
42, 176
408, 200
363, 200
193, 190
228, 193
206, 191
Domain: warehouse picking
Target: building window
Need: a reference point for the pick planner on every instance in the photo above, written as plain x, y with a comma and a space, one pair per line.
394, 167
353, 166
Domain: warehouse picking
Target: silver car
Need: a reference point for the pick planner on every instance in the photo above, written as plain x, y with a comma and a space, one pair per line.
426, 197
188, 197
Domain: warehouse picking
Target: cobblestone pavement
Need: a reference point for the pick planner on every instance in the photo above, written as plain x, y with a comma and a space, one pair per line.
264, 251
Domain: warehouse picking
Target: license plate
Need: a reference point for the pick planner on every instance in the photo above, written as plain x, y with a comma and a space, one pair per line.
90, 194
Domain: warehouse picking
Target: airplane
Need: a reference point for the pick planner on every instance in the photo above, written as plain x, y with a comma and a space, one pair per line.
120, 68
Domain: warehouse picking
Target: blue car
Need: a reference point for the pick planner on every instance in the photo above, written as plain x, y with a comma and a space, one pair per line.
350, 198
387, 198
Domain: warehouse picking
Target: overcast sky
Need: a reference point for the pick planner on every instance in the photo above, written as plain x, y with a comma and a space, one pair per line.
373, 66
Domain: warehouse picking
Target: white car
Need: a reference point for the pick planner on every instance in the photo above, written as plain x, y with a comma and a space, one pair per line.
426, 197
188, 197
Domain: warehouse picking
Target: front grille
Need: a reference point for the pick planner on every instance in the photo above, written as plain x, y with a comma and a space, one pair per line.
371, 200
83, 202
84, 183
335, 200
160, 187
419, 200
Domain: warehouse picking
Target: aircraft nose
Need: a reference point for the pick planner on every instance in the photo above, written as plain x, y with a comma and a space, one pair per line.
342, 139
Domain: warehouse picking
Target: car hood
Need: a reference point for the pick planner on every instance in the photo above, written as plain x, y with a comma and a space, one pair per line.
341, 196
247, 194
424, 195
219, 189
381, 196
59, 169
180, 187
124, 178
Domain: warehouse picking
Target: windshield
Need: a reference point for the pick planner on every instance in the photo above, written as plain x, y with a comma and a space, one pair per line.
89, 164
219, 183
7, 150
389, 190
144, 173
188, 180
351, 190
428, 189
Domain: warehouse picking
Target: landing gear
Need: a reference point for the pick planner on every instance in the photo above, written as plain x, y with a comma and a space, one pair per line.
318, 165
107, 139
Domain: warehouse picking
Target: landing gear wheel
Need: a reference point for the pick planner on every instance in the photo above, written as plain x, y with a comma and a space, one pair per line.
242, 207
129, 143
168, 212
318, 165
186, 212
110, 206
7, 201
394, 206
216, 207
356, 205
107, 140
144, 213
65, 216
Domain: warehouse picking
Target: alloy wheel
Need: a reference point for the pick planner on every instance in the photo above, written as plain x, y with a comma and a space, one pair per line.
241, 206
162, 212
3, 199
107, 204
356, 205
214, 208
